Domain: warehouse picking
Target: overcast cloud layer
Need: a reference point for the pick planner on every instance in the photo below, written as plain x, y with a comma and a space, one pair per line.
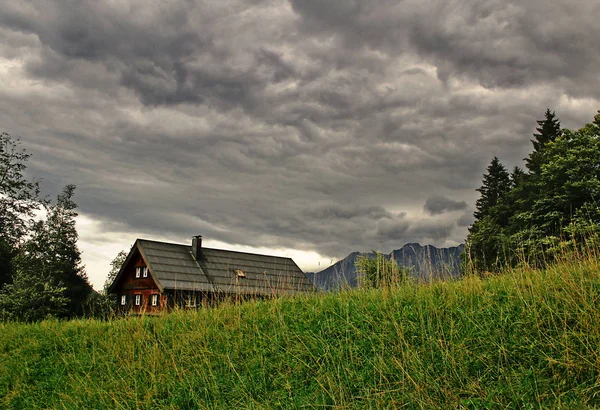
320, 127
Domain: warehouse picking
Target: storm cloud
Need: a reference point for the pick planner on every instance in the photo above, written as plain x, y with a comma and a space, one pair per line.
438, 204
305, 125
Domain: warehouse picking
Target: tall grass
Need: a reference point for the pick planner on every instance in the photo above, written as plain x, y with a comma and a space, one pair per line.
524, 339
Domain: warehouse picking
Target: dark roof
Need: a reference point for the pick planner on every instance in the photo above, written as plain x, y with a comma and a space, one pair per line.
174, 267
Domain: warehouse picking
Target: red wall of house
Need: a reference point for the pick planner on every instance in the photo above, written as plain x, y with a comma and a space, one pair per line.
130, 286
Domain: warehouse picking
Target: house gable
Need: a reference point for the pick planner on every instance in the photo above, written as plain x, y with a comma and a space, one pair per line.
132, 275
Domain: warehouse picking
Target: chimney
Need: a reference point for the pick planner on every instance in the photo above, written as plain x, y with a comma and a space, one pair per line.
196, 246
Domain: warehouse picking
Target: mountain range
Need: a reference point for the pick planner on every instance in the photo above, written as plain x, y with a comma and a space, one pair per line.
423, 263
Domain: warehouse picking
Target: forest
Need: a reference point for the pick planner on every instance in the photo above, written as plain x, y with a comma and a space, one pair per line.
535, 214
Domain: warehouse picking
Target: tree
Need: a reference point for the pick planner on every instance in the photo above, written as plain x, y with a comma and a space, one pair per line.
19, 199
102, 305
485, 242
496, 183
596, 122
570, 179
32, 298
52, 252
516, 177
486, 245
40, 264
554, 205
548, 130
115, 267
6, 256
561, 207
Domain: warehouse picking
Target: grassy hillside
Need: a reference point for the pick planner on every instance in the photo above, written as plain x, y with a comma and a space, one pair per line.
522, 339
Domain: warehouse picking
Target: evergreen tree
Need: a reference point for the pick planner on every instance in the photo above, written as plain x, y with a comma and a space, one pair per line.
40, 264
496, 183
548, 130
516, 177
485, 242
570, 180
554, 205
52, 252
559, 205
486, 245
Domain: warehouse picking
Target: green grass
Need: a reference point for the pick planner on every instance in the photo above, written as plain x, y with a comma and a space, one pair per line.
524, 339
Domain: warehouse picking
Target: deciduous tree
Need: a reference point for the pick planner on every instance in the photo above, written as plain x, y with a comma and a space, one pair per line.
115, 267
19, 199
32, 297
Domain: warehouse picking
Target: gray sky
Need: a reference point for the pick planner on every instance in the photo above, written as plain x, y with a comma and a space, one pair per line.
302, 128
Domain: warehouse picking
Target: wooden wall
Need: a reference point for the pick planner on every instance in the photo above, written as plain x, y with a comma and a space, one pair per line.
130, 286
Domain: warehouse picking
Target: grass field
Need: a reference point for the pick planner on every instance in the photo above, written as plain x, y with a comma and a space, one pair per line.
523, 339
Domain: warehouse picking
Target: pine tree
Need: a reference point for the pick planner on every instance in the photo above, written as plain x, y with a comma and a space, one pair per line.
485, 240
548, 130
496, 183
570, 179
516, 177
52, 252
553, 206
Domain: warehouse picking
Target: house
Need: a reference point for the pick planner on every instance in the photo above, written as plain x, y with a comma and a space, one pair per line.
158, 276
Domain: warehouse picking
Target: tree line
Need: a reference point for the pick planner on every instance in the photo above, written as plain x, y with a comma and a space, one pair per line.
535, 214
41, 273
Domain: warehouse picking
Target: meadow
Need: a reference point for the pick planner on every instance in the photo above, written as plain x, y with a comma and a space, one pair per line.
525, 338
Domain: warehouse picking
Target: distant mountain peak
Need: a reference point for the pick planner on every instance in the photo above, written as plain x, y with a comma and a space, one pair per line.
424, 262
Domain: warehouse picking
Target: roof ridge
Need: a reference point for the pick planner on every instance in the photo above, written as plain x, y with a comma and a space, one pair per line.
217, 249
248, 253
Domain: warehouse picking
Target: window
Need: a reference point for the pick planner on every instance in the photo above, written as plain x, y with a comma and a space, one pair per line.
138, 270
138, 300
145, 272
123, 300
154, 300
190, 300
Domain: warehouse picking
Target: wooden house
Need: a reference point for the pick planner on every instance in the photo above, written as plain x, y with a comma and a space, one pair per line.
157, 276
